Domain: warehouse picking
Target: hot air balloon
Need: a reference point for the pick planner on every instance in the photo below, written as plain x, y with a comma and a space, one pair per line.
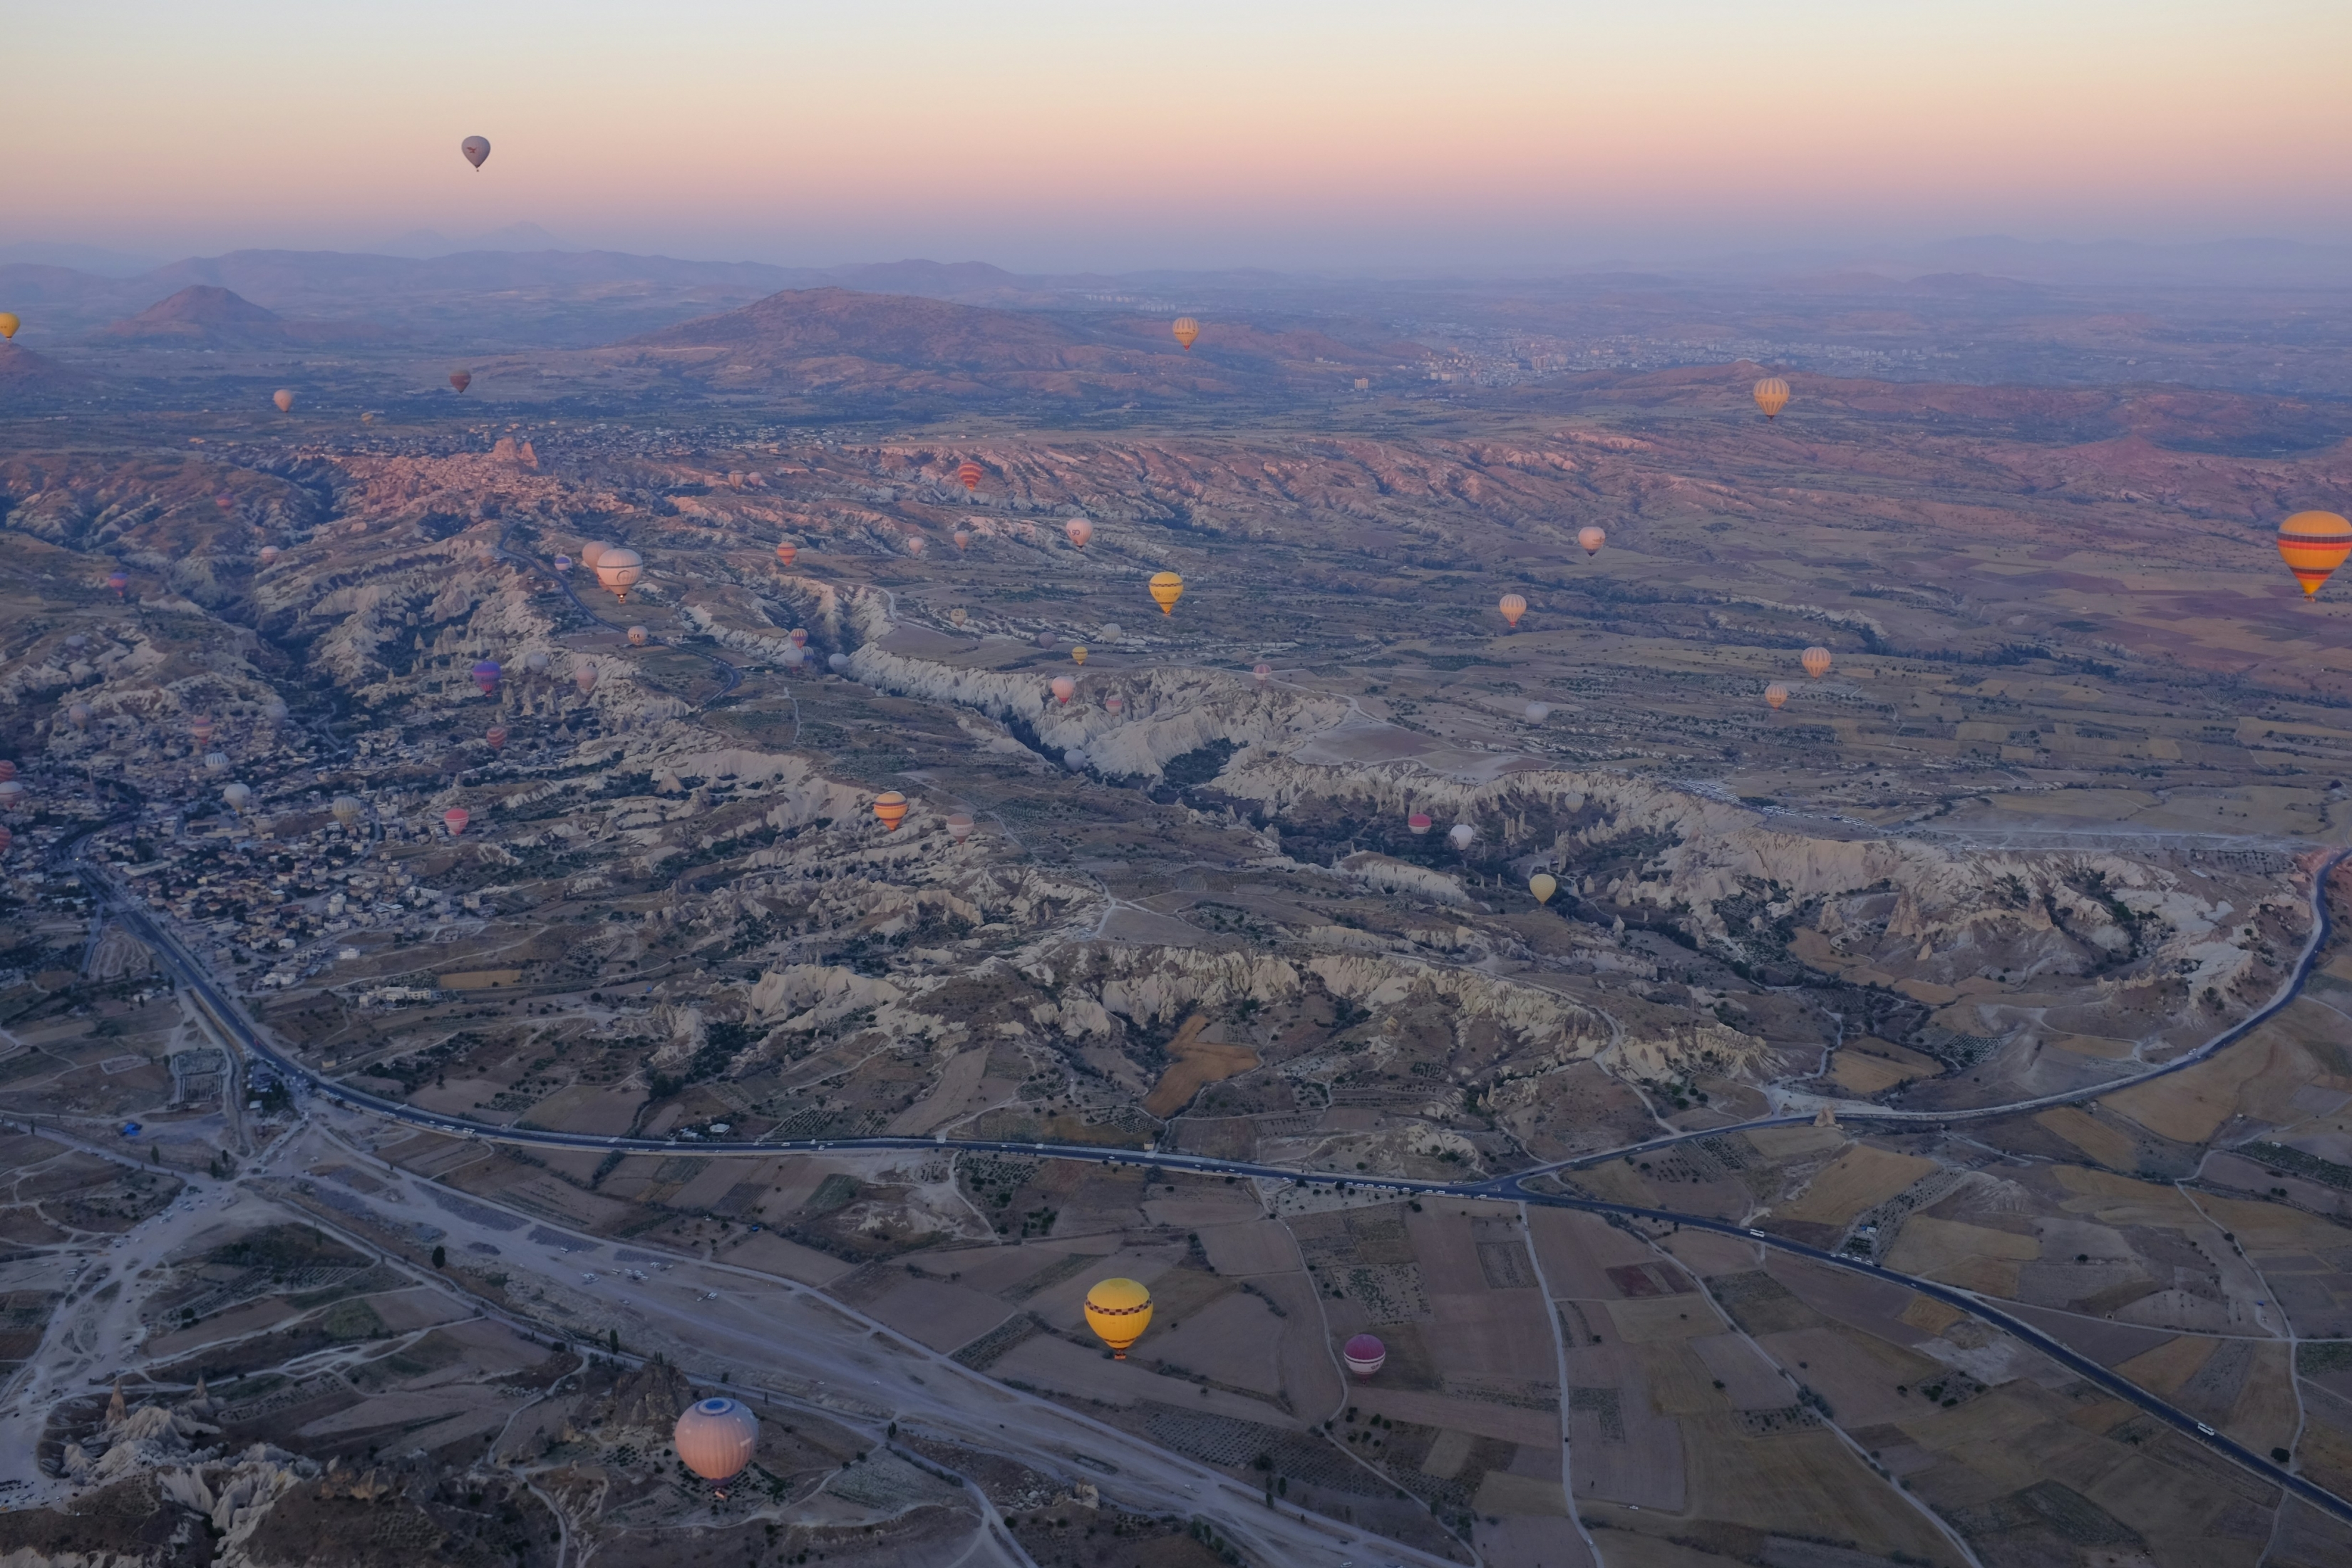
476, 149
1264, 674
1044, 639
486, 676
270, 554
639, 636
537, 662
367, 418
1364, 1355
496, 735
959, 826
1775, 695
1817, 662
1771, 396
461, 379
275, 711
1513, 607
619, 570
1118, 1311
1538, 712
1166, 589
79, 715
889, 810
590, 553
8, 769
1591, 538
968, 475
1460, 835
915, 543
216, 761
787, 553
1064, 689
1115, 703
962, 537
584, 678
1079, 654
12, 794
562, 564
200, 729
1543, 885
8, 324
1186, 330
957, 615
1418, 824
455, 818
1078, 531
715, 1438
1074, 760
2313, 544
798, 637
836, 662
238, 797
118, 580
284, 398
348, 811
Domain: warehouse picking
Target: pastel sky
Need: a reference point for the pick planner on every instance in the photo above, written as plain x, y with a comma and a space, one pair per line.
1051, 134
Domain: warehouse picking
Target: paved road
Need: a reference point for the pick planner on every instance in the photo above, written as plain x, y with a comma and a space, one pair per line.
228, 1016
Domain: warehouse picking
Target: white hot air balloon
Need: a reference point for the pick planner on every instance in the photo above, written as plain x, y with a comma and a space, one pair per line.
238, 797
1461, 835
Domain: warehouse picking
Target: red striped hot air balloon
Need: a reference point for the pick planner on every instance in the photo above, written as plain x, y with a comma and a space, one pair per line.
889, 810
968, 475
2313, 544
1187, 330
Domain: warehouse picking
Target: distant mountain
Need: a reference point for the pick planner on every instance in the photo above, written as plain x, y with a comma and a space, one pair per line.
425, 243
29, 377
89, 259
206, 315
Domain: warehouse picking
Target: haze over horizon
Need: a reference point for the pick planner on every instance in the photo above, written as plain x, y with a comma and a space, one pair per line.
1051, 138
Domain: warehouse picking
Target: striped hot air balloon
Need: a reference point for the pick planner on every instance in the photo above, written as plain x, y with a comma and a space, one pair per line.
1817, 660
889, 810
1512, 607
1187, 331
1771, 396
967, 476
1118, 1311
2313, 544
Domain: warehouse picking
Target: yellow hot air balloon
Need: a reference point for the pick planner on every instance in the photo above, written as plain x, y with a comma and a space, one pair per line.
1775, 695
1513, 607
8, 324
1543, 885
1817, 662
1079, 654
889, 810
1187, 329
1118, 1311
2313, 544
284, 398
1166, 589
1771, 396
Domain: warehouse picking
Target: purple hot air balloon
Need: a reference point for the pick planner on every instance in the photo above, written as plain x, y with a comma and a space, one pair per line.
486, 676
118, 580
1365, 1356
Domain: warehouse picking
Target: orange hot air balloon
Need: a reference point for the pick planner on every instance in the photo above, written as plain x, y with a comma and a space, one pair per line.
1817, 662
461, 379
8, 324
1592, 539
1064, 689
787, 553
1166, 589
1187, 330
915, 543
496, 735
1775, 696
1079, 530
457, 817
1079, 654
1513, 607
962, 538
590, 553
889, 810
1771, 396
2313, 544
284, 398
968, 475
1118, 1311
476, 149
715, 1438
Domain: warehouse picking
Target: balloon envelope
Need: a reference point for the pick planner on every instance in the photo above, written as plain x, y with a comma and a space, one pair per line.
2313, 544
461, 379
1460, 835
1079, 654
1817, 662
1365, 1356
889, 810
476, 149
787, 553
216, 761
268, 555
1115, 703
117, 581
962, 538
639, 636
1118, 1311
348, 809
1592, 539
496, 735
968, 475
1775, 695
1512, 607
618, 570
1543, 885
1166, 589
238, 797
1078, 531
284, 398
715, 1437
486, 676
1771, 396
457, 817
584, 678
1187, 330
1418, 823
798, 637
959, 826
1065, 688
1263, 672
590, 553
79, 715
8, 324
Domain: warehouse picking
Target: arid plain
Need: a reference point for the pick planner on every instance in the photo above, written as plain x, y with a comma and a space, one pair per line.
1913, 1131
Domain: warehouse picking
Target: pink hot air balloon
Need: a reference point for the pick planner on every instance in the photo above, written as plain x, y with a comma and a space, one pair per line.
1265, 673
1065, 688
496, 735
584, 678
1591, 538
486, 676
7, 770
715, 1438
959, 826
1079, 530
639, 636
270, 554
117, 581
1115, 703
457, 817
962, 537
915, 544
1365, 1356
1418, 823
6, 838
